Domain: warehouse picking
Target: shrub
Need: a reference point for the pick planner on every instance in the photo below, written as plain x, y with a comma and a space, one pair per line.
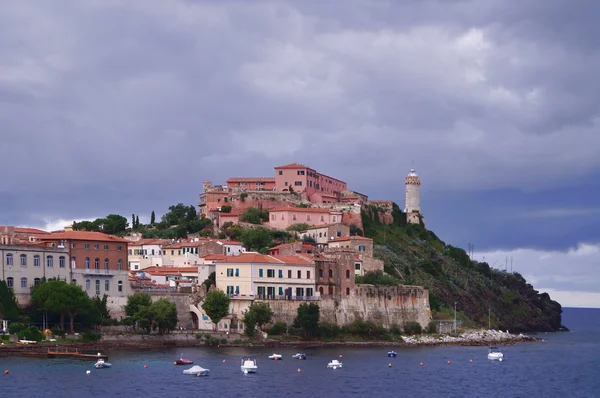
199, 336
15, 327
223, 341
432, 327
90, 336
413, 328
394, 329
31, 333
56, 331
364, 328
329, 330
278, 329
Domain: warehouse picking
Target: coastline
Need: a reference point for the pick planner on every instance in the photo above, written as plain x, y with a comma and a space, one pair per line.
470, 339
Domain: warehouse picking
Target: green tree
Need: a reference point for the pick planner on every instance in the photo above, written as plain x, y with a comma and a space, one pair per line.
254, 216
137, 221
163, 314
61, 298
216, 305
101, 306
152, 218
226, 209
9, 308
76, 302
257, 239
258, 314
135, 301
307, 319
211, 280
298, 227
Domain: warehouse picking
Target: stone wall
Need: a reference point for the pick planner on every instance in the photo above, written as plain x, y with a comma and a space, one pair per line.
385, 217
264, 200
182, 302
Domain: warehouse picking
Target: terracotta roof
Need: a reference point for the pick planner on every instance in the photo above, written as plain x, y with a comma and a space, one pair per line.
264, 258
83, 235
345, 238
251, 179
25, 230
166, 270
227, 242
200, 242
149, 242
215, 257
229, 214
301, 210
293, 166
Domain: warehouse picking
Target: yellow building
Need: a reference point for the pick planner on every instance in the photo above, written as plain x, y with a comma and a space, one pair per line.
253, 275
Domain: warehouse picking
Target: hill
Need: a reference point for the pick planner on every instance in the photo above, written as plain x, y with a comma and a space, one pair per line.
416, 256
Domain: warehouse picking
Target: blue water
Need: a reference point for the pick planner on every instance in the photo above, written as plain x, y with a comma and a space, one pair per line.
566, 365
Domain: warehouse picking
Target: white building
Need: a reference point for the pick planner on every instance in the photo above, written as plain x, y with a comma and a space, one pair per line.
413, 198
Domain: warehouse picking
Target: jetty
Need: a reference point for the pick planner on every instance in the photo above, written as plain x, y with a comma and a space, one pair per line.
66, 354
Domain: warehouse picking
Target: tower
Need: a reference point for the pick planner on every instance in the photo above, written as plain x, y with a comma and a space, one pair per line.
413, 197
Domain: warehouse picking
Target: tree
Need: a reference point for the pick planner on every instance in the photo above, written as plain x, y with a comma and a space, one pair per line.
137, 221
133, 221
135, 301
254, 216
9, 308
216, 305
226, 209
258, 314
61, 298
256, 239
101, 306
307, 319
163, 315
152, 218
76, 302
211, 280
298, 227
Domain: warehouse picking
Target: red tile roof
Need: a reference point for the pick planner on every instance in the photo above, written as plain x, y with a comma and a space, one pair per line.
166, 270
215, 257
264, 258
345, 238
149, 242
300, 210
292, 166
251, 179
25, 230
83, 235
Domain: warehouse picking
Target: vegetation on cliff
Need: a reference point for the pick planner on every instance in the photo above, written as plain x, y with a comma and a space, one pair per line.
417, 256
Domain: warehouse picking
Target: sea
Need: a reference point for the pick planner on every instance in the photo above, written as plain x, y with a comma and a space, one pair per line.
564, 365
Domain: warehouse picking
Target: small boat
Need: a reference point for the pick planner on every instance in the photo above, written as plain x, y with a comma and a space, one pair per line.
249, 365
494, 354
197, 371
101, 364
182, 361
334, 364
299, 356
392, 354
276, 357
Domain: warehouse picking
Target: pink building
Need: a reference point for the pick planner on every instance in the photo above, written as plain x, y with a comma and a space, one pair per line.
285, 217
319, 188
251, 184
228, 217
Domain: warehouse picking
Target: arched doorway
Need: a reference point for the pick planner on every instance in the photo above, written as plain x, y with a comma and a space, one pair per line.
321, 290
195, 320
330, 290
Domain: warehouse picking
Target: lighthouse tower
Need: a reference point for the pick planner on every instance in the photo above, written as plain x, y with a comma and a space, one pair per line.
413, 197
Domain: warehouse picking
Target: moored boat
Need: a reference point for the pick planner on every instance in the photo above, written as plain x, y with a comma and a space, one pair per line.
196, 370
392, 354
100, 364
334, 364
182, 361
276, 357
494, 354
299, 356
249, 365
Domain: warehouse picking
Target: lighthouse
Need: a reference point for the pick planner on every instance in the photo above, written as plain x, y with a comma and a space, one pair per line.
413, 197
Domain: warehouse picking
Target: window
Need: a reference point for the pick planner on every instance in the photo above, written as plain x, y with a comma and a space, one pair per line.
260, 273
61, 262
9, 259
357, 266
280, 172
309, 292
299, 291
97, 287
105, 263
298, 183
270, 273
237, 272
87, 263
299, 274
321, 290
261, 291
9, 282
87, 284
73, 261
347, 291
322, 218
50, 261
300, 172
347, 274
294, 217
119, 248
229, 271
23, 260
307, 274
36, 260
338, 234
105, 247
229, 290
334, 218
37, 281
87, 245
119, 264
330, 273
72, 245
321, 273
237, 290
106, 285
280, 273
308, 217
23, 282
74, 281
289, 274
281, 290
270, 291
361, 248
97, 263
273, 217
96, 247
120, 286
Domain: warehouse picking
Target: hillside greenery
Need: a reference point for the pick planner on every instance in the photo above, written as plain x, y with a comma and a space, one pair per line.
414, 255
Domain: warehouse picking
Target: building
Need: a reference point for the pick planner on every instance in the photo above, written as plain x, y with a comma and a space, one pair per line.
318, 188
335, 272
10, 235
253, 275
190, 252
283, 218
292, 249
212, 198
145, 253
172, 277
98, 263
324, 233
26, 265
363, 247
251, 184
413, 198
233, 218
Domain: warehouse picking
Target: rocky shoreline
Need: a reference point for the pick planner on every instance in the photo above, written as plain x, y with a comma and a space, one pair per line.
470, 338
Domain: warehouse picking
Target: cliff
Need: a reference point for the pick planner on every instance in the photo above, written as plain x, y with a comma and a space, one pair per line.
417, 256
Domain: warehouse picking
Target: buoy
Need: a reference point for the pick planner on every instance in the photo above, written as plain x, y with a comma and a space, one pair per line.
145, 366
299, 370
87, 372
470, 361
174, 363
340, 355
224, 361
421, 364
500, 359
448, 362
389, 365
6, 372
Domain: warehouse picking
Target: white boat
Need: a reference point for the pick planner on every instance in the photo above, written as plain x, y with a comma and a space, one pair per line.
494, 354
196, 370
299, 356
249, 365
334, 364
101, 364
276, 357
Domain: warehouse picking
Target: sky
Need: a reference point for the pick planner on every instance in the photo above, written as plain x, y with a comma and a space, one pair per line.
126, 107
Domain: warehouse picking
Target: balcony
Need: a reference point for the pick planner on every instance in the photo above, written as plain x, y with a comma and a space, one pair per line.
100, 272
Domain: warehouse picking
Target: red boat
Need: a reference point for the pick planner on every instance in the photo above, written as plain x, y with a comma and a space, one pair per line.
182, 361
